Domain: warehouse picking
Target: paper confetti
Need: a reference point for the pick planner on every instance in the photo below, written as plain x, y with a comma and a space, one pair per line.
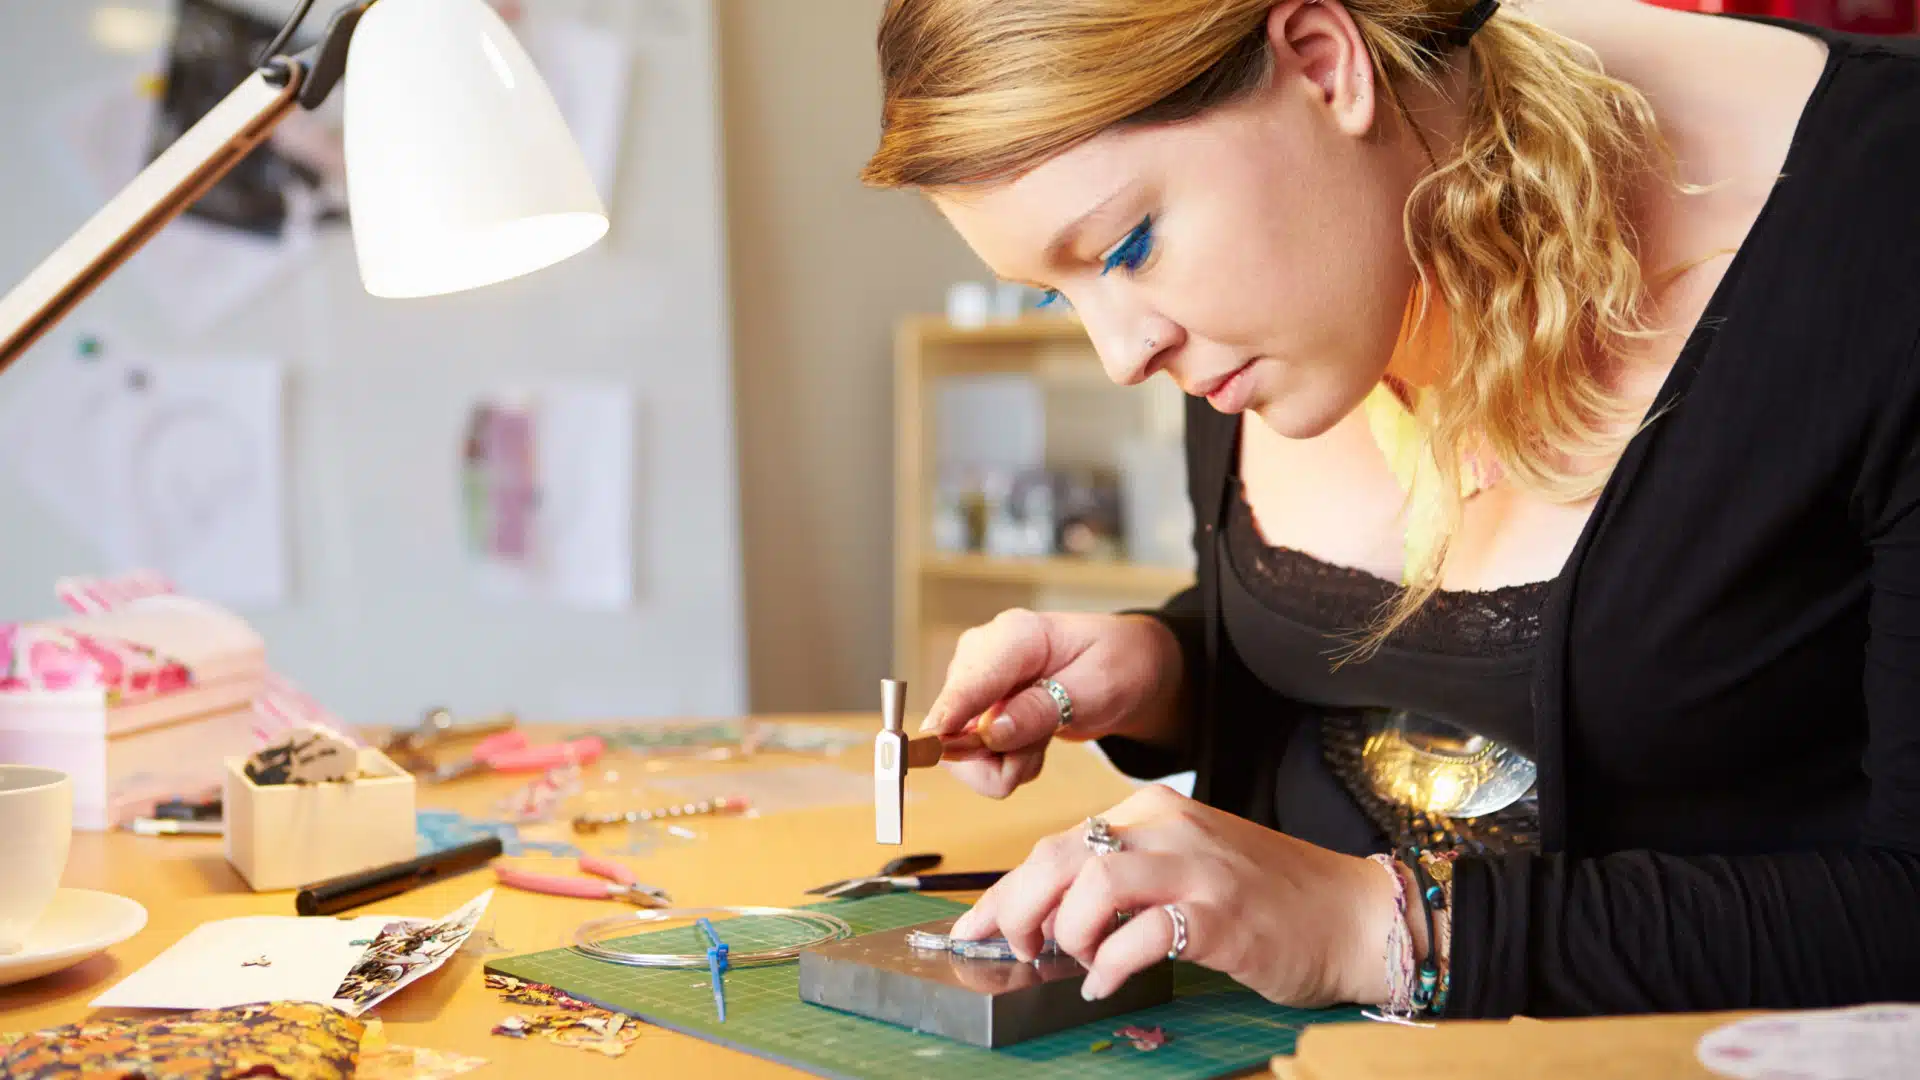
518, 992
575, 1023
415, 1063
380, 1060
1101, 1045
1152, 1038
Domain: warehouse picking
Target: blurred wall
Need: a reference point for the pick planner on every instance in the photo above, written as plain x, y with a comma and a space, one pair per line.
820, 269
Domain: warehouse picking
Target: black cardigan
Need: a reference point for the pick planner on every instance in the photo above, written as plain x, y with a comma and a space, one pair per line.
1727, 686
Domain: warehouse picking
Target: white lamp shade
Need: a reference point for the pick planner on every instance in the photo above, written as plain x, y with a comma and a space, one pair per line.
460, 169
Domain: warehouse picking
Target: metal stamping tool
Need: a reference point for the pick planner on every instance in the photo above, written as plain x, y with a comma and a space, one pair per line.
982, 1002
893, 755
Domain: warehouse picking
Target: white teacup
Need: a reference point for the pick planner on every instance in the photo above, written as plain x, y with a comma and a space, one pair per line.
36, 828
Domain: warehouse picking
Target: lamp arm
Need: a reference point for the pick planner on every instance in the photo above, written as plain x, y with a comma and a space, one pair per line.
172, 182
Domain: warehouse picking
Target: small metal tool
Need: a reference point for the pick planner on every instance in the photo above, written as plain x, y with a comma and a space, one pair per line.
983, 1002
176, 827
855, 888
587, 823
437, 728
893, 755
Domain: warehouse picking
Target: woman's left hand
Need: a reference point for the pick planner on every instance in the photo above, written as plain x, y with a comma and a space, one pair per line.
1301, 925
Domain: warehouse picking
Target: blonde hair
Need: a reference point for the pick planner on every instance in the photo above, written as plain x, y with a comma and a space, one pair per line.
1519, 232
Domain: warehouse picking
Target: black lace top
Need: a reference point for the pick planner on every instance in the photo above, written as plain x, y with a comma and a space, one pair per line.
1465, 658
1340, 600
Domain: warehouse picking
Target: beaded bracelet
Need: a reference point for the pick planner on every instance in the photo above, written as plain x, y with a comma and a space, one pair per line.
1433, 872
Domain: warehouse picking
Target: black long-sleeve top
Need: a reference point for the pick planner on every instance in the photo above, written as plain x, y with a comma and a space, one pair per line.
1726, 686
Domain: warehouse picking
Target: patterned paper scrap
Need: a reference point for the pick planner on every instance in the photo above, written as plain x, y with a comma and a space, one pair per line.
291, 1040
406, 950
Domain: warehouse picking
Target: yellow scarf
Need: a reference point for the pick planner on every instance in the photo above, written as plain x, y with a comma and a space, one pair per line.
1393, 417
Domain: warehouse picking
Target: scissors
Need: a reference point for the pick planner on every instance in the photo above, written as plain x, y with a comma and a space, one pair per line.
905, 874
619, 883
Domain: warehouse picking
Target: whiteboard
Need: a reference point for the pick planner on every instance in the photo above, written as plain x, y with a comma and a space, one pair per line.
384, 617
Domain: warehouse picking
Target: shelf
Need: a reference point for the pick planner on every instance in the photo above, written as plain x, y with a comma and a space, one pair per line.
1028, 330
1060, 573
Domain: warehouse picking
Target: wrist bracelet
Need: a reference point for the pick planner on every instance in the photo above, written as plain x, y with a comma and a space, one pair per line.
1433, 872
1399, 949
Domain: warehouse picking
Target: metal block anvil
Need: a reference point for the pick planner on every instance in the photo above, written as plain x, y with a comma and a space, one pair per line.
893, 755
989, 1003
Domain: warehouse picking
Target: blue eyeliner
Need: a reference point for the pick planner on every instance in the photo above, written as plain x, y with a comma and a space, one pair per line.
1130, 254
1132, 251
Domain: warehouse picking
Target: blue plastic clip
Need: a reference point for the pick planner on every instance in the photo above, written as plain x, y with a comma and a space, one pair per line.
717, 963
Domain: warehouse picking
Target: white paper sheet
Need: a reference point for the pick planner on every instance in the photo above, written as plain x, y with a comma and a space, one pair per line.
173, 465
308, 959
568, 539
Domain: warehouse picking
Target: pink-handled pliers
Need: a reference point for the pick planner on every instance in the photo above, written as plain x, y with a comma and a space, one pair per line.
511, 752
618, 883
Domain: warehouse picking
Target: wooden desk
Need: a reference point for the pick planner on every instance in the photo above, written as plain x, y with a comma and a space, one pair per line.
184, 881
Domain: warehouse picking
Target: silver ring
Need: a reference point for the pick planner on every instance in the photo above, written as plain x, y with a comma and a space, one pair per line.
1179, 930
1100, 838
1062, 703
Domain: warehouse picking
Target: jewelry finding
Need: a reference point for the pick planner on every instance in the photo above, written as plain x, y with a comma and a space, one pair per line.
983, 949
1062, 702
1179, 930
1100, 837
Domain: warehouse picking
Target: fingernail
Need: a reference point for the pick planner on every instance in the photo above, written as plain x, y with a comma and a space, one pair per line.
931, 722
1090, 991
1002, 730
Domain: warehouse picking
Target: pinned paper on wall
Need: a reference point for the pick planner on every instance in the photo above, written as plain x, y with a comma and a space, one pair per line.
547, 481
259, 223
171, 464
196, 272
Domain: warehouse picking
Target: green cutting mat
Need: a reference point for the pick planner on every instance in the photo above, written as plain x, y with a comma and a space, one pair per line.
1214, 1027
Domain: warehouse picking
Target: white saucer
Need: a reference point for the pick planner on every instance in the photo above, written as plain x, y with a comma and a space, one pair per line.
76, 925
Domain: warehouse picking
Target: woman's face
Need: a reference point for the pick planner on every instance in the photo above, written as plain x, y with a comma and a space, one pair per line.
1255, 254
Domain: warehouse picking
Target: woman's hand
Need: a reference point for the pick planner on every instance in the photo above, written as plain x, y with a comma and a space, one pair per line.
996, 722
1301, 925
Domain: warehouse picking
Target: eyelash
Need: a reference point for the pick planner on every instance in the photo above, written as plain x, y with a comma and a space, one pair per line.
1132, 251
1130, 254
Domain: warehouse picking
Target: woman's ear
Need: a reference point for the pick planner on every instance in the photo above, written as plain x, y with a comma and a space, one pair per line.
1318, 41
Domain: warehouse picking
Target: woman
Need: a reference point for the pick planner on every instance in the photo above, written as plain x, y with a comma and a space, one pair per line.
1555, 403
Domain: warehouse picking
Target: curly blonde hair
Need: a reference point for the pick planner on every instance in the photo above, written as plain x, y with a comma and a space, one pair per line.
1520, 232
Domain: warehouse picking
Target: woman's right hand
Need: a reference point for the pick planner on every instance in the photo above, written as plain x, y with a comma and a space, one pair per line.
1119, 670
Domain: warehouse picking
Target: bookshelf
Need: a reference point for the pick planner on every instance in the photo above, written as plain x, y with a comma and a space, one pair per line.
940, 593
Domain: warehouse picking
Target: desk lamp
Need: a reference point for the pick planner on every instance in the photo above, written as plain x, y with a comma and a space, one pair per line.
460, 169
